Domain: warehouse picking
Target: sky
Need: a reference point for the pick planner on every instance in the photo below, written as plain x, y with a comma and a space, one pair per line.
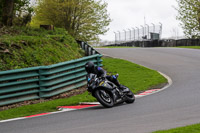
134, 13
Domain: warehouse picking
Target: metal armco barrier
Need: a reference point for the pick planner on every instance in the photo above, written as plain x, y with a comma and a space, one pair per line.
88, 49
44, 81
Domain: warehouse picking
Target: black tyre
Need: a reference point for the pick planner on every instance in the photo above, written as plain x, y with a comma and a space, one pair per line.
130, 97
104, 97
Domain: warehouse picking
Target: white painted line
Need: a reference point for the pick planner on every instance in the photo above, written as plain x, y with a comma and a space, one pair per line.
12, 119
89, 103
168, 79
101, 48
49, 113
64, 110
138, 96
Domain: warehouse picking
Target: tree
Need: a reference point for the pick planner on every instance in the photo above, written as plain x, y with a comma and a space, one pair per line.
11, 10
22, 13
7, 12
83, 19
189, 15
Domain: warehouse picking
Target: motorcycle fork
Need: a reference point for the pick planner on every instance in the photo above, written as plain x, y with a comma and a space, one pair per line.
120, 93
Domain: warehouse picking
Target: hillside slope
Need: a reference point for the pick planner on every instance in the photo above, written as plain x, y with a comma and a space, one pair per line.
29, 47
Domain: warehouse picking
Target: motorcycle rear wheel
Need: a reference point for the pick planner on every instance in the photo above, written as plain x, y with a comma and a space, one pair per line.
130, 97
104, 97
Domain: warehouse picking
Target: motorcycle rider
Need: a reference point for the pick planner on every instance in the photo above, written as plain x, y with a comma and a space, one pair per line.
100, 72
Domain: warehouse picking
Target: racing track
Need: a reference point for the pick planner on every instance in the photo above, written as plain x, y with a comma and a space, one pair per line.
178, 105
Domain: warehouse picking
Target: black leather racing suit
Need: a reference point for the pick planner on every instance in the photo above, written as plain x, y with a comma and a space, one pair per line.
100, 72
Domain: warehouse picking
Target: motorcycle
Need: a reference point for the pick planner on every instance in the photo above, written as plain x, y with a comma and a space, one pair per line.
107, 93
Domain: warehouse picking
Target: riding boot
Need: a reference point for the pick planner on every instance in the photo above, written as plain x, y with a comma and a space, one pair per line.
121, 87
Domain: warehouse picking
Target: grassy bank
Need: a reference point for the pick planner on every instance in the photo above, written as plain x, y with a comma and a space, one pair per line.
136, 77
188, 129
115, 47
22, 47
193, 47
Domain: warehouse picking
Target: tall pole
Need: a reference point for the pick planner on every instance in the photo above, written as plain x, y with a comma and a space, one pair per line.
138, 33
119, 36
134, 32
125, 34
115, 38
147, 31
130, 33
142, 29
160, 29
153, 27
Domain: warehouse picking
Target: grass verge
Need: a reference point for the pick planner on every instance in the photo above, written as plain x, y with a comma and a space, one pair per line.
116, 47
193, 47
136, 77
188, 129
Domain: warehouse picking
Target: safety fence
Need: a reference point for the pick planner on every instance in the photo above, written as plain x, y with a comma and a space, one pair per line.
87, 48
160, 43
44, 81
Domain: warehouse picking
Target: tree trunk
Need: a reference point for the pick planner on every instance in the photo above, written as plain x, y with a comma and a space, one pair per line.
7, 12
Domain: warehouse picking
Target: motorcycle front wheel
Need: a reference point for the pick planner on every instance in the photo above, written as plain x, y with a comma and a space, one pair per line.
104, 97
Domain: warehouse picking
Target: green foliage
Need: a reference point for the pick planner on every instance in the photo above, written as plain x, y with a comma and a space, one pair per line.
189, 15
115, 47
83, 19
30, 47
192, 47
21, 4
188, 129
20, 14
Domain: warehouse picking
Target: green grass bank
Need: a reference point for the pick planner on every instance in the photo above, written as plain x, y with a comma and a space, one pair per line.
192, 47
22, 47
187, 129
114, 47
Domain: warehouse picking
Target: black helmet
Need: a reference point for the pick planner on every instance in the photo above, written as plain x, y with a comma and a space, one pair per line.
89, 67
